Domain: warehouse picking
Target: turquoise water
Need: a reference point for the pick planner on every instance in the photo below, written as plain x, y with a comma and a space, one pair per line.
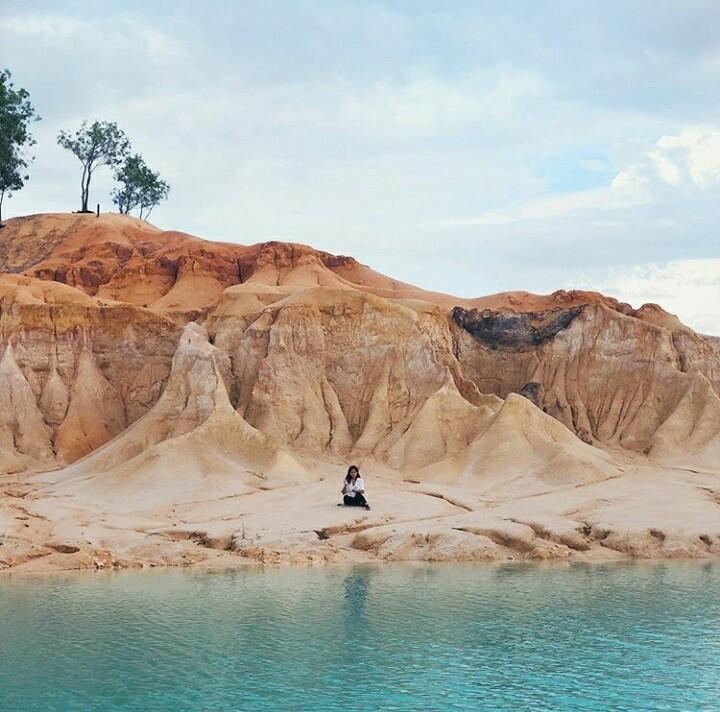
444, 637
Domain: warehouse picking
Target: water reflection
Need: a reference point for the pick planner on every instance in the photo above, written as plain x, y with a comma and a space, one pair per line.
356, 586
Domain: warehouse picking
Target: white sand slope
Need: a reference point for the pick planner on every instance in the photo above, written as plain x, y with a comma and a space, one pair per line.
524, 451
445, 425
24, 436
191, 445
691, 434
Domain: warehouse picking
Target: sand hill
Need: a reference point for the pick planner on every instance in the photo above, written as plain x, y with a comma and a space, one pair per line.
165, 399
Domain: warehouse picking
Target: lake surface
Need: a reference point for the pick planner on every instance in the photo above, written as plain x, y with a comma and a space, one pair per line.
443, 637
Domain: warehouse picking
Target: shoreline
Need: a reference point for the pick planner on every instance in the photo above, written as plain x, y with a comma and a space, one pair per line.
237, 562
255, 566
45, 529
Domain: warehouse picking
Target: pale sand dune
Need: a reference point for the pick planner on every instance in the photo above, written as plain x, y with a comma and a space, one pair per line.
691, 434
168, 400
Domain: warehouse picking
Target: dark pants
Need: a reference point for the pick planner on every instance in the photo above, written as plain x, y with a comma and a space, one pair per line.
357, 501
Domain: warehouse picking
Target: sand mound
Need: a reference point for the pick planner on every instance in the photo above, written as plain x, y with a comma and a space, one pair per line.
223, 457
119, 258
20, 290
24, 436
95, 412
523, 451
691, 434
444, 426
92, 366
191, 445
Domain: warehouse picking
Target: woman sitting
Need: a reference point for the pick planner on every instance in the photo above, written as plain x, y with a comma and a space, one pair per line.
353, 490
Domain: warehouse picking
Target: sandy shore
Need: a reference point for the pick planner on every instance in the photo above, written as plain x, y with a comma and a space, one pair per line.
644, 512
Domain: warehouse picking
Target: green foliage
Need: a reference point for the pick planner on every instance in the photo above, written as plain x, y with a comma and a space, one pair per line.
140, 188
101, 143
16, 114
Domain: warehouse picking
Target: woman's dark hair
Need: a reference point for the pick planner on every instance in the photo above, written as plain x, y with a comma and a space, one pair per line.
348, 477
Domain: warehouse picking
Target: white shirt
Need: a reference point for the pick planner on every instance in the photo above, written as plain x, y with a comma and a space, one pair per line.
351, 489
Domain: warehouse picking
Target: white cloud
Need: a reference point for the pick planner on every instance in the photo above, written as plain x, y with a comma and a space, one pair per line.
46, 26
99, 36
628, 188
158, 44
426, 104
666, 168
696, 149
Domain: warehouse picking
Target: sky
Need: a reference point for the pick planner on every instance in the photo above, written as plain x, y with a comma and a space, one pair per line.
466, 147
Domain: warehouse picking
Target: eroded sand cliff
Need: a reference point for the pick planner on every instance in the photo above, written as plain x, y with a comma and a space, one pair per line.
168, 400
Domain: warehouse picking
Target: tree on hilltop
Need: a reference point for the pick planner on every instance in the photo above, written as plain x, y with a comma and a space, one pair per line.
16, 114
101, 143
140, 188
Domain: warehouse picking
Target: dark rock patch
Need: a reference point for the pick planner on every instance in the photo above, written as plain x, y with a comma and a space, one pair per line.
64, 548
531, 391
514, 332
